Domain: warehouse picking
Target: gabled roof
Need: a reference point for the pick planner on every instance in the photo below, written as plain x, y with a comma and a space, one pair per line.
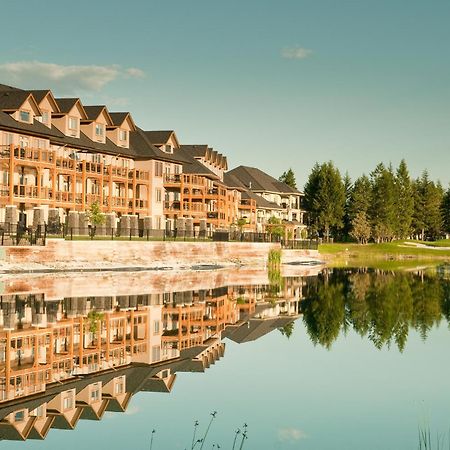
161, 137
118, 118
66, 104
197, 150
143, 149
257, 180
39, 95
13, 100
254, 329
94, 111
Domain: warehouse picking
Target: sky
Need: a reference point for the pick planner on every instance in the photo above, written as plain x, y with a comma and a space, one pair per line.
270, 84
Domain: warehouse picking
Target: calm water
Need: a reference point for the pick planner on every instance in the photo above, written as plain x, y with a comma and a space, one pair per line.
343, 360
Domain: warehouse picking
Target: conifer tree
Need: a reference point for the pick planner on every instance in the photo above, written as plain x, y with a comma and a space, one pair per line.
288, 177
382, 209
404, 201
446, 211
325, 198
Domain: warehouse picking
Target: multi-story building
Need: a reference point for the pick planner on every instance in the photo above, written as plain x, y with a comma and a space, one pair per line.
273, 198
59, 156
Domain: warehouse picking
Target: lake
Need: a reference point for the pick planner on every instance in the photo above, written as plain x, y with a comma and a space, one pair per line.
298, 359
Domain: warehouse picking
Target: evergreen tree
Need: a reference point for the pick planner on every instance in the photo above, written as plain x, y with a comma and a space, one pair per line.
445, 209
428, 198
361, 228
404, 201
288, 177
360, 197
383, 208
325, 198
348, 194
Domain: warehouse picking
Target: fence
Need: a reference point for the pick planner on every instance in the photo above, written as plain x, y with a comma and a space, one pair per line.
18, 235
11, 234
103, 233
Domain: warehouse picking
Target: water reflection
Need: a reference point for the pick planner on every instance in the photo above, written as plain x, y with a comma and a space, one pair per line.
67, 359
381, 306
62, 360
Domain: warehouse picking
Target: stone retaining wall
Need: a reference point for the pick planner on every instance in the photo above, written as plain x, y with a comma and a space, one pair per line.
59, 254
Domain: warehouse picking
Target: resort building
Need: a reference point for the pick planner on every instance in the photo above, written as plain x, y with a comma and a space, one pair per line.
59, 156
273, 199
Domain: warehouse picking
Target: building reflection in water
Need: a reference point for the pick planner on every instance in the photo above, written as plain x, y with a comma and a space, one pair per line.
76, 358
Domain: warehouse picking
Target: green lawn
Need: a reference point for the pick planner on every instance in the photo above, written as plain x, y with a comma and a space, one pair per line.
387, 255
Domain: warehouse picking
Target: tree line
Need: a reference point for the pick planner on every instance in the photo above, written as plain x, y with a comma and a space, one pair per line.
386, 205
382, 306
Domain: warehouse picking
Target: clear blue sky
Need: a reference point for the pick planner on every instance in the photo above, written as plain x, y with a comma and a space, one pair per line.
271, 84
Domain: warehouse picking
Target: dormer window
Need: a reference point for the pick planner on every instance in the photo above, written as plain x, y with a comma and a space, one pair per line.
24, 116
123, 135
73, 123
168, 148
99, 130
45, 118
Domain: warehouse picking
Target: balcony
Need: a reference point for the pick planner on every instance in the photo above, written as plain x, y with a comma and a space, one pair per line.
194, 207
140, 204
172, 206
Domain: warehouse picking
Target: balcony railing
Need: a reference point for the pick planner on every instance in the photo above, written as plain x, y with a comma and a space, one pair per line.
172, 179
172, 206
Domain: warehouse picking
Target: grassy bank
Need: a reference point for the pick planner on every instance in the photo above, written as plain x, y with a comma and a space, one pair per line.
390, 255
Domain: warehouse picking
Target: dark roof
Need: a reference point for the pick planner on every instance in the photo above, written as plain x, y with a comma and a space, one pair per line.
256, 328
5, 87
159, 137
143, 149
11, 100
94, 111
118, 117
66, 104
233, 182
36, 129
197, 168
261, 181
40, 94
198, 150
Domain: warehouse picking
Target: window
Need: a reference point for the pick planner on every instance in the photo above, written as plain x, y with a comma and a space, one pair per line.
158, 195
8, 138
44, 118
119, 388
168, 148
68, 402
156, 353
123, 135
24, 116
73, 123
95, 395
99, 130
177, 169
158, 168
156, 326
19, 416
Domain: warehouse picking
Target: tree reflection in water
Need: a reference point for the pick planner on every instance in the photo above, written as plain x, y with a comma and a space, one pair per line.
381, 306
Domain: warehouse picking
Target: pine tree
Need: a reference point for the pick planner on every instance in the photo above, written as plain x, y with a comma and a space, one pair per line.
360, 197
382, 209
428, 198
348, 193
288, 177
325, 198
404, 201
446, 211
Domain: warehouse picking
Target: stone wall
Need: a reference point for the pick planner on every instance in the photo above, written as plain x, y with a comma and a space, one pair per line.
68, 255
